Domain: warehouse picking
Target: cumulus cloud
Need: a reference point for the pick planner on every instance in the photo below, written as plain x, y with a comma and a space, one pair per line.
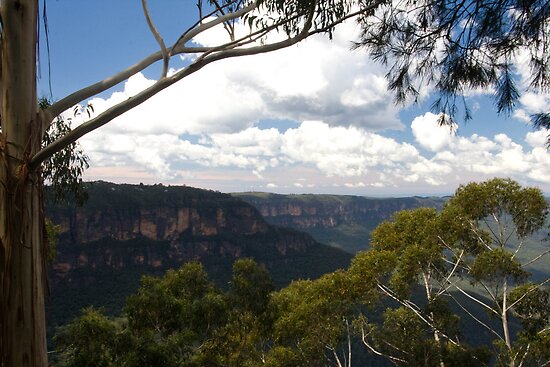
316, 79
317, 154
429, 134
341, 109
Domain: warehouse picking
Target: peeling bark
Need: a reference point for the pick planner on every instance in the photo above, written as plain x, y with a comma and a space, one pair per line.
22, 271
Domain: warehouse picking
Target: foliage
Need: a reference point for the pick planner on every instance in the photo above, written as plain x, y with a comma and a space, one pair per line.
478, 236
457, 46
52, 232
394, 299
181, 319
64, 169
88, 340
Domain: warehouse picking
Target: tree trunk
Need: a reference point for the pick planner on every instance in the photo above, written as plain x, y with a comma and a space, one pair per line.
505, 326
22, 270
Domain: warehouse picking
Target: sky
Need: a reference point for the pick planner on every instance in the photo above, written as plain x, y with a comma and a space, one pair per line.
313, 118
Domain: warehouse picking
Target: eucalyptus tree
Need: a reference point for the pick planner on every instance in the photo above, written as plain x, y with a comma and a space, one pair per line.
503, 215
180, 319
475, 253
459, 46
408, 264
313, 323
23, 127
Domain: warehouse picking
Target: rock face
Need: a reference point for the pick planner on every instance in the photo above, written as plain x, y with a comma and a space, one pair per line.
124, 225
136, 229
343, 221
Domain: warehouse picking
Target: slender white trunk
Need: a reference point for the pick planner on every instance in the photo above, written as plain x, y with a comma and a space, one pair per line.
436, 335
22, 270
504, 317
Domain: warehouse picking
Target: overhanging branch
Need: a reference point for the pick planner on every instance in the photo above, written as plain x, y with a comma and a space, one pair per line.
158, 38
67, 102
160, 85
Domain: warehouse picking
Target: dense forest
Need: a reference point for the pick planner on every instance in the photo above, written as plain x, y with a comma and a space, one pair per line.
405, 301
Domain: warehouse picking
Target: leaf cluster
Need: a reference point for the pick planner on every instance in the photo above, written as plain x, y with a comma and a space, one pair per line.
458, 46
64, 169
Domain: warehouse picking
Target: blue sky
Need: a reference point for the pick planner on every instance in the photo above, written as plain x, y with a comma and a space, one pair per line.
314, 118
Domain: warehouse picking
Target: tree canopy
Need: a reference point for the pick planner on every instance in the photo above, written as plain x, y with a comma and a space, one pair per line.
457, 47
429, 292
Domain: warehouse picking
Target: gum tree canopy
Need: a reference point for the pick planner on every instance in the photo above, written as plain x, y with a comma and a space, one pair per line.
461, 45
23, 124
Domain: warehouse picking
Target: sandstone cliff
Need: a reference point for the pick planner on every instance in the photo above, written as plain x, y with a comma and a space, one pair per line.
342, 221
124, 231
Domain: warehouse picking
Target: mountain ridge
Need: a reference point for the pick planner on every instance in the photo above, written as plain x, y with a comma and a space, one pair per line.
343, 221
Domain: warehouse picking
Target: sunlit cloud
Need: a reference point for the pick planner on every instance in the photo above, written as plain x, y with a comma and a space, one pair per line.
341, 112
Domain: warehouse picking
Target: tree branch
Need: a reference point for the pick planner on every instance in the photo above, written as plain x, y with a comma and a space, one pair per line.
535, 258
76, 97
160, 85
526, 293
475, 299
414, 308
375, 351
158, 38
474, 317
447, 280
187, 36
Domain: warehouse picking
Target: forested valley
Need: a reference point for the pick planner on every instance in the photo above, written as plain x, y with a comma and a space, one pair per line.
456, 283
447, 287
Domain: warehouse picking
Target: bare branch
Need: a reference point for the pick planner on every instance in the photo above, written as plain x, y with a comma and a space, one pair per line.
535, 258
87, 92
158, 38
474, 317
63, 104
532, 289
475, 299
187, 36
375, 351
451, 273
336, 358
524, 355
474, 229
414, 308
520, 245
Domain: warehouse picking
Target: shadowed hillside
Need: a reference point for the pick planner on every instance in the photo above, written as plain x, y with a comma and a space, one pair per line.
125, 231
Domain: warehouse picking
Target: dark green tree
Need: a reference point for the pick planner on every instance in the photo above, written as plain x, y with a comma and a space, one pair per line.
245, 337
180, 319
88, 341
408, 264
313, 325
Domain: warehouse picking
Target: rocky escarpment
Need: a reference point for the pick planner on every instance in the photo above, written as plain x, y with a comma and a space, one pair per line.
343, 221
125, 231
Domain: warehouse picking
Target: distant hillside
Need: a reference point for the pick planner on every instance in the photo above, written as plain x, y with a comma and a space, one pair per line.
346, 221
340, 221
125, 231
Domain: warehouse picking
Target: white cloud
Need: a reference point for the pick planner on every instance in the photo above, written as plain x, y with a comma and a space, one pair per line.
339, 102
316, 79
315, 153
537, 139
429, 134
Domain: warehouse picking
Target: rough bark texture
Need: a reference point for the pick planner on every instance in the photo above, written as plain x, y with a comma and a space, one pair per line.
22, 275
